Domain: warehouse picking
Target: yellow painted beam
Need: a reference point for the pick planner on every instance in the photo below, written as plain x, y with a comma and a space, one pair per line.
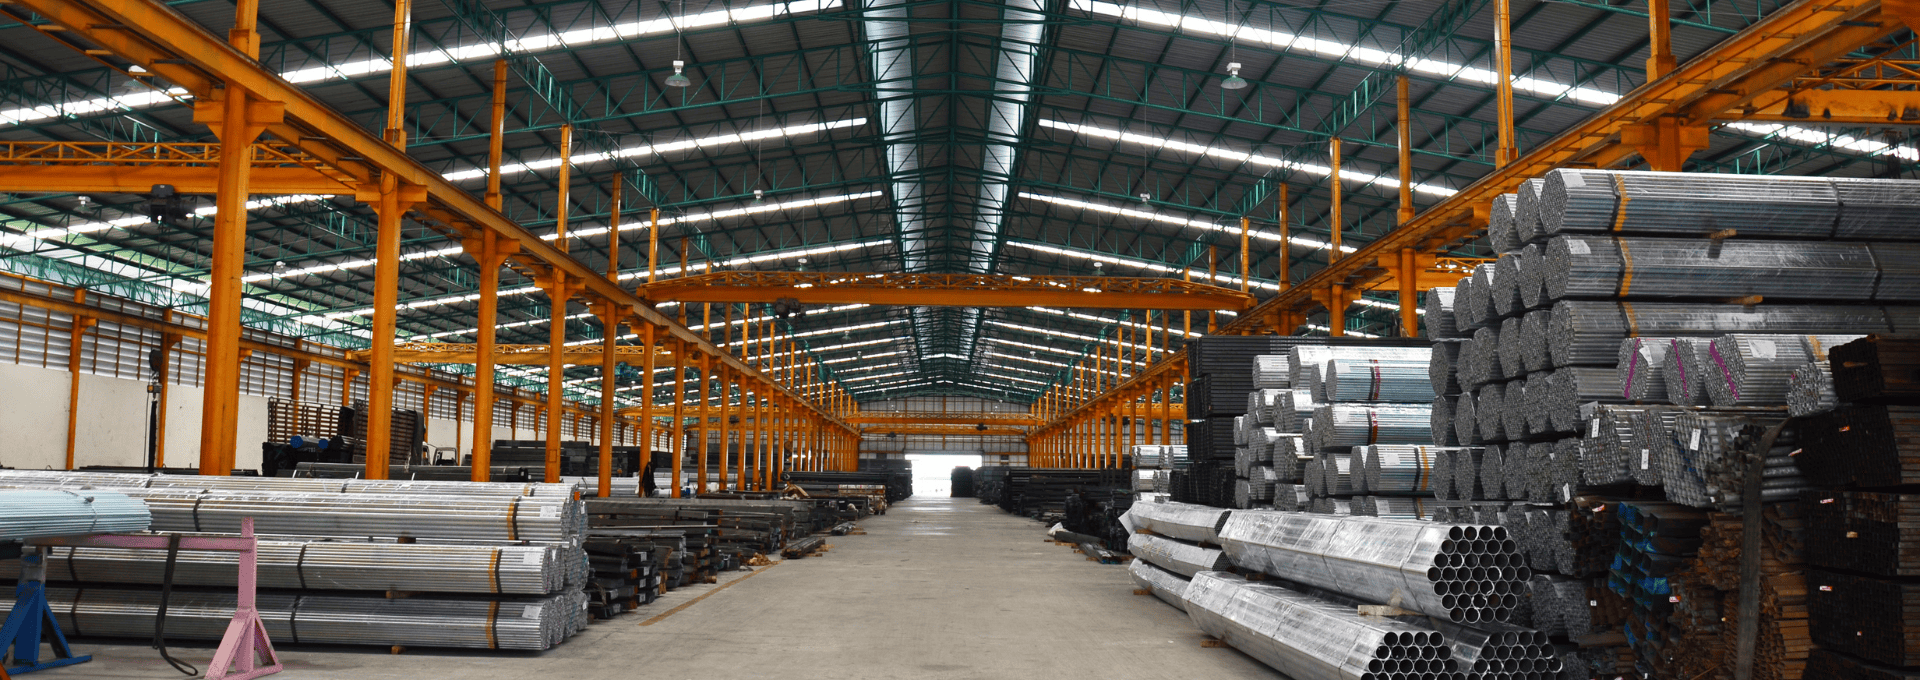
1851, 107
518, 355
956, 290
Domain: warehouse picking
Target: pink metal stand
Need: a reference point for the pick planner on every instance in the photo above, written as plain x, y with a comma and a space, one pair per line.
245, 652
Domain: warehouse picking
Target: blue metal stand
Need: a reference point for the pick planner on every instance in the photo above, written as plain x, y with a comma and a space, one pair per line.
31, 621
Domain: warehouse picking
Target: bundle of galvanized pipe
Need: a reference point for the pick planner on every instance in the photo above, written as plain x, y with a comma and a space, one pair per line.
421, 621
1581, 266
1272, 372
1336, 475
1438, 305
330, 564
1341, 426
1292, 411
1377, 380
1180, 557
1306, 637
1754, 370
1400, 469
1462, 573
1496, 651
36, 514
1704, 463
1810, 390
1601, 201
1184, 521
1443, 375
1638, 363
1396, 507
1588, 333
1170, 587
1308, 362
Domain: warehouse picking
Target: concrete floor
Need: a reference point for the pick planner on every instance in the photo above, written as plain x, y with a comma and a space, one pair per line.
937, 588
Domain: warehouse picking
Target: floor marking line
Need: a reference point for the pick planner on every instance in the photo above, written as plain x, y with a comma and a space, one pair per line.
706, 595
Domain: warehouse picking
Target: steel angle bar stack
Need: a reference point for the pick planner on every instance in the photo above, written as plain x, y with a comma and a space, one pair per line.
28, 514
1170, 587
1461, 573
1306, 637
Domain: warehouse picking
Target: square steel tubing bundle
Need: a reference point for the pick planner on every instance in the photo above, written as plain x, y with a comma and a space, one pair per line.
1184, 521
26, 513
1595, 201
1879, 369
1587, 267
1307, 637
1438, 305
471, 623
1461, 573
1378, 380
1588, 333
1754, 370
1826, 664
1180, 557
1871, 618
1866, 532
327, 565
1170, 587
1863, 445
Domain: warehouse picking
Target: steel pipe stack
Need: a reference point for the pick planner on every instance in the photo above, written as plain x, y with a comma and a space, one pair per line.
1443, 368
1306, 637
1638, 362
1703, 464
1339, 426
1526, 209
1401, 469
28, 514
1810, 390
1754, 370
1438, 305
1588, 333
1598, 201
1171, 588
1307, 362
1502, 233
1675, 268
1272, 372
1378, 380
1499, 651
1179, 557
331, 565
1187, 522
1461, 573
1684, 370
1396, 507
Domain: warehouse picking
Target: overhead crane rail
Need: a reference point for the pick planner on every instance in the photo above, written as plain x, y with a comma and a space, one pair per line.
955, 290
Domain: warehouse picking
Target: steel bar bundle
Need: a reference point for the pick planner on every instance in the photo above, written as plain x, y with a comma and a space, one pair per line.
1179, 557
1874, 619
35, 514
479, 623
1338, 426
1753, 370
1442, 366
1867, 532
1588, 333
1438, 305
1535, 328
1306, 637
1638, 362
1272, 372
1462, 573
1400, 469
1810, 390
1505, 292
1513, 359
1674, 268
1197, 523
1497, 651
1501, 231
1863, 445
1377, 380
1587, 200
1527, 208
1171, 588
1877, 369
1489, 408
328, 565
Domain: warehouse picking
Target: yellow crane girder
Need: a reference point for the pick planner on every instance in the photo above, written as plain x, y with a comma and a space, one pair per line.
520, 355
950, 290
941, 418
134, 167
955, 431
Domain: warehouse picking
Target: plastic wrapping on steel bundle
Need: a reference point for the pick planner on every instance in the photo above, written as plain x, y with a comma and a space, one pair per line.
1462, 573
471, 623
67, 512
1505, 294
1588, 333
1684, 371
1501, 233
1526, 209
1377, 380
1655, 268
1438, 305
1638, 362
1346, 425
1442, 367
1272, 372
1754, 370
1185, 559
1810, 390
1171, 588
1705, 465
1700, 203
1306, 637
1184, 521
329, 565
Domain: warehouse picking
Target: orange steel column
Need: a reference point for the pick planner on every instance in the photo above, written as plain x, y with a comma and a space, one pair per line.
1409, 306
1505, 152
1246, 256
1213, 279
1660, 61
653, 243
610, 332
726, 416
1286, 248
497, 133
220, 418
1338, 188
1406, 149
77, 335
676, 433
489, 260
559, 290
646, 398
1166, 412
700, 428
386, 277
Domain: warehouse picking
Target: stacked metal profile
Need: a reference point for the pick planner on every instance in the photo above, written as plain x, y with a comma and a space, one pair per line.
1306, 637
1174, 555
1461, 573
518, 543
1170, 587
37, 514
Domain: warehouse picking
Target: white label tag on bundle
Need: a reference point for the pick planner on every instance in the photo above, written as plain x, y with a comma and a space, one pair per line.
1765, 349
531, 612
530, 557
1566, 493
1694, 443
1573, 179
1646, 351
1595, 430
549, 511
1643, 459
1577, 247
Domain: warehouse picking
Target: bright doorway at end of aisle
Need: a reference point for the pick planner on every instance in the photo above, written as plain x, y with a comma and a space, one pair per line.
933, 472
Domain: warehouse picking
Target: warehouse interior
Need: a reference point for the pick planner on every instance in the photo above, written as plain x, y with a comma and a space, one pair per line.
1356, 340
